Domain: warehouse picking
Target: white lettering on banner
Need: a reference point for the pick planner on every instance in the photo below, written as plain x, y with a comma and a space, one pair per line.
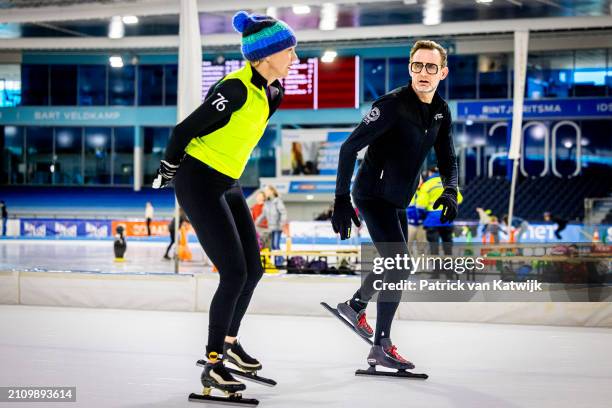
46, 115
76, 115
65, 231
604, 107
540, 108
32, 230
93, 231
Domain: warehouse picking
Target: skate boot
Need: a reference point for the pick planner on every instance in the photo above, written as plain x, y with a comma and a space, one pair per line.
215, 375
357, 319
235, 354
386, 355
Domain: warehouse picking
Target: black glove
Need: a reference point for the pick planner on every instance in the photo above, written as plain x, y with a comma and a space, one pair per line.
448, 201
342, 216
165, 174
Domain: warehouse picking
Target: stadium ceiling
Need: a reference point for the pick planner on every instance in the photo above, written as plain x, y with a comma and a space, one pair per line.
83, 24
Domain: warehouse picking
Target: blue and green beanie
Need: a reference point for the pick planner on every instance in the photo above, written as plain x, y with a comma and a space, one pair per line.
262, 35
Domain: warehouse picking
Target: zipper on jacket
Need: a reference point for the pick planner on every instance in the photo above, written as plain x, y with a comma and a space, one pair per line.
381, 174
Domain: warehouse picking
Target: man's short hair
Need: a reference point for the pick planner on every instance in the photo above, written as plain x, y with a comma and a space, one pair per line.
429, 45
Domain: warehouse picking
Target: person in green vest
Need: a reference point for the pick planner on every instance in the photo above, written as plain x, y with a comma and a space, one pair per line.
205, 157
436, 227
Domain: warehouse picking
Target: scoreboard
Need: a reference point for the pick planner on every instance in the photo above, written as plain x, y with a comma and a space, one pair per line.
311, 84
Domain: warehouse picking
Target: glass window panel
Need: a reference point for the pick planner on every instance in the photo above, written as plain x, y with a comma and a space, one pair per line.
549, 75
373, 79
10, 85
121, 86
150, 84
123, 159
171, 82
97, 155
13, 160
609, 73
462, 76
493, 76
398, 72
590, 73
34, 85
39, 147
92, 85
155, 141
68, 156
63, 85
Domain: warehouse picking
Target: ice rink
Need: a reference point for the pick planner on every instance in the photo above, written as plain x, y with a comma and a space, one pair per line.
143, 256
127, 358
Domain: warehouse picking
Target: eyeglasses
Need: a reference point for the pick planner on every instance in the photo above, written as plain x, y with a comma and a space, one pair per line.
417, 67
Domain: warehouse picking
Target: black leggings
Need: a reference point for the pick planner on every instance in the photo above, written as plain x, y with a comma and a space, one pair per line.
222, 221
384, 225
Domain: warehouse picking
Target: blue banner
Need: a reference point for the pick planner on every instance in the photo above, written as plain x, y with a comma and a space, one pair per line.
312, 187
536, 109
40, 227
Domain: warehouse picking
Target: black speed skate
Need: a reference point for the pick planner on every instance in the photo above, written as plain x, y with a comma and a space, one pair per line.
386, 355
235, 354
356, 322
216, 376
247, 366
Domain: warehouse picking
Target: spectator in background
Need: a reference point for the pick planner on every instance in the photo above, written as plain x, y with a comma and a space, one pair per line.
415, 217
149, 216
261, 227
326, 214
257, 208
519, 224
484, 218
435, 228
493, 229
275, 213
561, 223
4, 217
172, 228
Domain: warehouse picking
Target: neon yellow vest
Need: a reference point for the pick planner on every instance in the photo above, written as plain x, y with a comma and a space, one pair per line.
430, 191
228, 149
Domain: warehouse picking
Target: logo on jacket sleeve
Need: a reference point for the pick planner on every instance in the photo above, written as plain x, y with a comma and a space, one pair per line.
372, 115
438, 116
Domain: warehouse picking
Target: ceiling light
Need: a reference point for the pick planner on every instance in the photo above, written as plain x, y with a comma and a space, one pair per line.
328, 56
329, 16
130, 20
116, 28
116, 61
272, 12
300, 9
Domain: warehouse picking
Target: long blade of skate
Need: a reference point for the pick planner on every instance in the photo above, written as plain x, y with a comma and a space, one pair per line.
231, 400
349, 325
399, 374
252, 377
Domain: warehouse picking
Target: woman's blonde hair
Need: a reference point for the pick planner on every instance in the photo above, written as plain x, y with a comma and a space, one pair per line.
274, 190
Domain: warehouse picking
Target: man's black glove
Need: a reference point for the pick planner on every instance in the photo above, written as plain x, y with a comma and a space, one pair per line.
342, 216
448, 201
165, 174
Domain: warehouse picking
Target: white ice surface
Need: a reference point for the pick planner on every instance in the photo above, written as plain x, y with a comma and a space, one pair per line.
94, 256
127, 358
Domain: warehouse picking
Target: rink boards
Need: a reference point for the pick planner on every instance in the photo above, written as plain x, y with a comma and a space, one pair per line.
277, 294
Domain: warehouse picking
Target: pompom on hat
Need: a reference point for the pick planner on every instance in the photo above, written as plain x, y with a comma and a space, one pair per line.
262, 35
